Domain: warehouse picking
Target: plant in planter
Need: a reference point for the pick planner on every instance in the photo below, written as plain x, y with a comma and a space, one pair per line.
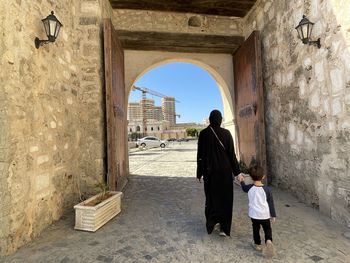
96, 211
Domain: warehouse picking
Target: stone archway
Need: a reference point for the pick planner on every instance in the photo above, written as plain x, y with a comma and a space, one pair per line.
219, 66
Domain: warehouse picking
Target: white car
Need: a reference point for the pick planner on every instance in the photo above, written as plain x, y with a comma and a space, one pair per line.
151, 141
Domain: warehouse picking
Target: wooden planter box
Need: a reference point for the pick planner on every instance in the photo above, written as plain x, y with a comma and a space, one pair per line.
91, 218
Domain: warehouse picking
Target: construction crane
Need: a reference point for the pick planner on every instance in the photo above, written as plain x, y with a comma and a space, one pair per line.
144, 109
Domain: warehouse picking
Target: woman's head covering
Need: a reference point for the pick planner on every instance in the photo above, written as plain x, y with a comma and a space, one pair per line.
215, 118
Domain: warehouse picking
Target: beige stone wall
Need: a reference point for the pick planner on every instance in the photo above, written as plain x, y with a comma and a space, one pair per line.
307, 100
51, 114
141, 20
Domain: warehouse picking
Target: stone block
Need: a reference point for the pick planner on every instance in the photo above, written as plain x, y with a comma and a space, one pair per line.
315, 99
326, 108
89, 78
42, 159
337, 163
302, 87
4, 169
309, 143
345, 124
53, 124
86, 21
93, 34
90, 7
336, 107
3, 134
74, 92
89, 69
57, 158
34, 149
42, 182
68, 56
319, 71
347, 99
337, 80
90, 50
300, 137
291, 131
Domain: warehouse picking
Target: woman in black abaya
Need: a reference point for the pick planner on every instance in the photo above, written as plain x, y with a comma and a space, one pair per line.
217, 163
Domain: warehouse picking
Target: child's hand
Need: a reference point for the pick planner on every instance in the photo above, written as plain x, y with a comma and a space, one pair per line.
240, 178
273, 219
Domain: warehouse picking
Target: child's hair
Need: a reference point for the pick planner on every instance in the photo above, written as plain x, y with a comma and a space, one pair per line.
256, 173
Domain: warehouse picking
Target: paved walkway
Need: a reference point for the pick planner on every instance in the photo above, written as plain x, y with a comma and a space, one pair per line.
163, 221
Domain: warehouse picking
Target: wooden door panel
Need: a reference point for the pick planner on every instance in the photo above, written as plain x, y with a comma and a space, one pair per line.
249, 104
115, 106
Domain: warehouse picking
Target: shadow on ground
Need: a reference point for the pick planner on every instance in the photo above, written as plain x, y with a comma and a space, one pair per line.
162, 220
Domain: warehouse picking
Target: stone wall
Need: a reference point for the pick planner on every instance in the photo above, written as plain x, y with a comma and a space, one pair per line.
142, 20
51, 114
307, 94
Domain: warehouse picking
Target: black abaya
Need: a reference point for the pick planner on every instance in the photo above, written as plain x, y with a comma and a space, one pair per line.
217, 166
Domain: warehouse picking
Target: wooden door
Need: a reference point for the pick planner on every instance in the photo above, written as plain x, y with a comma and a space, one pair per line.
115, 106
249, 102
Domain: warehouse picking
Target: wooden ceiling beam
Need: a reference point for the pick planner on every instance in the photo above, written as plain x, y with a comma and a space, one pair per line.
237, 8
179, 42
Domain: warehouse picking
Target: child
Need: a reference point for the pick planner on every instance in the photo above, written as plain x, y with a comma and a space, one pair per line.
261, 209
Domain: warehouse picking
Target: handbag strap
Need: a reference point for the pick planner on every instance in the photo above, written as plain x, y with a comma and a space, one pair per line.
217, 137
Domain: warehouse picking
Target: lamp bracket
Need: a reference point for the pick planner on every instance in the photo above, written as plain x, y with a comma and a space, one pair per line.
39, 42
316, 43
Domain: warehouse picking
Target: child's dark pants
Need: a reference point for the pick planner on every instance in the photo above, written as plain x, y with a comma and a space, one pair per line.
266, 225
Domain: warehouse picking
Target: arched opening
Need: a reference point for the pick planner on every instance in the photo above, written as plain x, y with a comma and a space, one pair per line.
166, 131
219, 67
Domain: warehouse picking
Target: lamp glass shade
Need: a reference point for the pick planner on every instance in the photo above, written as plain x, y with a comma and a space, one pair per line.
304, 29
300, 33
311, 26
46, 26
52, 26
58, 27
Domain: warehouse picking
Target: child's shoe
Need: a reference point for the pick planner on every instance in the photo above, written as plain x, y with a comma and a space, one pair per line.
269, 250
256, 246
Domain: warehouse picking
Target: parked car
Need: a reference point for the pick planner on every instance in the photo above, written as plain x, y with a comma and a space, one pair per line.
183, 140
172, 140
151, 141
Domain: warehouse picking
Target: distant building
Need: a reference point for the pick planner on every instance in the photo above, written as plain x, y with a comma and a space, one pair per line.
168, 108
148, 106
155, 123
158, 114
134, 111
160, 120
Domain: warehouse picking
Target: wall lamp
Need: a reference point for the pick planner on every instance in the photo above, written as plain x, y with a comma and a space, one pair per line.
52, 28
304, 31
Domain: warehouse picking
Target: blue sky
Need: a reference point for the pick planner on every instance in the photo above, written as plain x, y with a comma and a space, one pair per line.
194, 87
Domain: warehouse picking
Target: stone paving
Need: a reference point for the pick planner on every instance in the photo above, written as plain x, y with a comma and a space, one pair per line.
162, 220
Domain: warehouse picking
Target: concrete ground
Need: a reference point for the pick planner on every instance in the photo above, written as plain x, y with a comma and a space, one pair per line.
162, 220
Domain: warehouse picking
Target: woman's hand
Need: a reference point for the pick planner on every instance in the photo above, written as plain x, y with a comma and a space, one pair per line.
240, 177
